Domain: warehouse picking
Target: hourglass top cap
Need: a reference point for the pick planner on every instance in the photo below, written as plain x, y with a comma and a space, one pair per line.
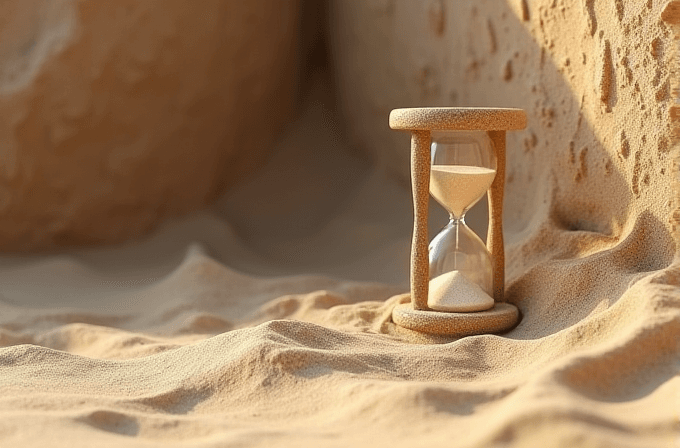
458, 119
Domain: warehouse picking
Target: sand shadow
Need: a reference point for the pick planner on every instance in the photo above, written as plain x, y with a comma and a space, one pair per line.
113, 422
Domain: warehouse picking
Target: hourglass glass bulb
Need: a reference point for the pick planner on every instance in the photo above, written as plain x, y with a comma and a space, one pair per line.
461, 273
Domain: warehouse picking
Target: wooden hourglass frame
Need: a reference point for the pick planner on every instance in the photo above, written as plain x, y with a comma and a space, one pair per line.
416, 315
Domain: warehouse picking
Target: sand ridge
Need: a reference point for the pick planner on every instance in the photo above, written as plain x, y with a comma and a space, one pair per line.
191, 351
340, 369
204, 336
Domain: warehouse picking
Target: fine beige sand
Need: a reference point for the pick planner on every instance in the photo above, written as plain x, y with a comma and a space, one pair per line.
456, 187
452, 292
265, 321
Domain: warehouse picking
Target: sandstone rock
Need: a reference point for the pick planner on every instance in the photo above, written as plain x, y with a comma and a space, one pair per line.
114, 115
584, 73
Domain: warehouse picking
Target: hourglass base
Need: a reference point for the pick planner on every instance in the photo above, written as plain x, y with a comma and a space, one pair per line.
503, 316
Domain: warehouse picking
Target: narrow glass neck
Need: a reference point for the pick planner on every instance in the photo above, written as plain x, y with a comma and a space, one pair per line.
453, 220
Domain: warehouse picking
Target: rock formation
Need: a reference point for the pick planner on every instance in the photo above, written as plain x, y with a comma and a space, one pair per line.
114, 115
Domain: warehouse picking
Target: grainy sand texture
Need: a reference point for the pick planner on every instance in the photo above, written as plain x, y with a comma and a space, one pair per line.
265, 318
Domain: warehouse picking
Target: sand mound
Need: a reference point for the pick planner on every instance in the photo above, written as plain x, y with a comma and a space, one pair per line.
207, 355
206, 335
163, 343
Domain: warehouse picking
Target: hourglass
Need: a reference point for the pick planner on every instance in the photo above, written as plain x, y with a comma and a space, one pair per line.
457, 283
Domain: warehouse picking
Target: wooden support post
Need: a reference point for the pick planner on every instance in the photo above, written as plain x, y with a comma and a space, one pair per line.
420, 179
494, 239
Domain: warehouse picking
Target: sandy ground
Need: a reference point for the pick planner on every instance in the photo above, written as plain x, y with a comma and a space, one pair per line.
265, 321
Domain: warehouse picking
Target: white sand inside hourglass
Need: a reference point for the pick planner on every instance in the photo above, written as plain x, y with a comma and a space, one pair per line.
456, 187
453, 292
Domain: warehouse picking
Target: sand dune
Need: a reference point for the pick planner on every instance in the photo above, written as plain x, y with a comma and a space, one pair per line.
226, 330
179, 349
208, 356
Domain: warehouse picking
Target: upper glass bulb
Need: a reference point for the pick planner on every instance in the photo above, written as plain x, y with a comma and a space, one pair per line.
463, 169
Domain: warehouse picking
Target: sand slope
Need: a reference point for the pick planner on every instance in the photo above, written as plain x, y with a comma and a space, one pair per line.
167, 342
208, 356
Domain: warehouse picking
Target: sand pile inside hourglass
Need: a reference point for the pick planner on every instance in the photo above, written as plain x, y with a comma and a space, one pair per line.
453, 292
457, 187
